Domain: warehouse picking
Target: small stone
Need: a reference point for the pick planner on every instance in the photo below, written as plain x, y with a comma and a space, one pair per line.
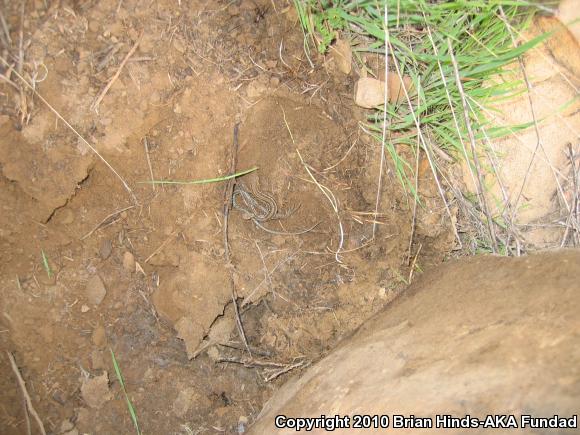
96, 290
342, 54
369, 92
274, 81
105, 249
129, 262
84, 308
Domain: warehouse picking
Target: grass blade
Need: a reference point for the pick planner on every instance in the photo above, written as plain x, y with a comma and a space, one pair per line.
204, 181
122, 382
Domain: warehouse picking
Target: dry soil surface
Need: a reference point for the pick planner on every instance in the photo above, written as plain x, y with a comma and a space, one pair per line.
88, 269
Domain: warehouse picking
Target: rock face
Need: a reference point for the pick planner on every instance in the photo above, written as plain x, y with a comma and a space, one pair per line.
487, 335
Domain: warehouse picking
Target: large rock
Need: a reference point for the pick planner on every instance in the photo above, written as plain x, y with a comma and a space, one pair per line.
487, 335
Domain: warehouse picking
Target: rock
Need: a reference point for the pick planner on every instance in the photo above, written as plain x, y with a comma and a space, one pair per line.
95, 391
396, 92
96, 290
105, 249
129, 262
370, 93
99, 336
341, 52
458, 341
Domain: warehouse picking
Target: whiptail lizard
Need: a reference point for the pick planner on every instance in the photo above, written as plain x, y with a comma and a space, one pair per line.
260, 207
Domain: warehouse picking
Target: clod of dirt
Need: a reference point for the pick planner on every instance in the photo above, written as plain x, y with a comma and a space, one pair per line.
129, 262
99, 336
96, 290
192, 299
342, 55
220, 333
191, 333
95, 391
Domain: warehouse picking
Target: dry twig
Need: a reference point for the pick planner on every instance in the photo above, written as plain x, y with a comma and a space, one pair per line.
24, 391
105, 220
95, 105
228, 195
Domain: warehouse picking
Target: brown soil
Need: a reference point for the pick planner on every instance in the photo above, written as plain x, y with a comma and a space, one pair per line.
151, 282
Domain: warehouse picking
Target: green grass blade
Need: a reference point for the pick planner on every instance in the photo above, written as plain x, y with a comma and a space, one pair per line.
204, 181
122, 382
46, 264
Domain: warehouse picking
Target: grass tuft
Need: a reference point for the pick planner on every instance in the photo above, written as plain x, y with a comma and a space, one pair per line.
421, 36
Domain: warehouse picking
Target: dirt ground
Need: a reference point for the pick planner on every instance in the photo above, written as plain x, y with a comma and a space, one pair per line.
87, 269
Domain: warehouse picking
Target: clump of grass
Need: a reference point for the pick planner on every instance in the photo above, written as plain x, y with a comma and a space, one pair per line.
442, 112
122, 382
